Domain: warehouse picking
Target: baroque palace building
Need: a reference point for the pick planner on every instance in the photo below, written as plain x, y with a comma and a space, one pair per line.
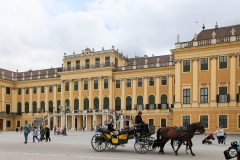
199, 81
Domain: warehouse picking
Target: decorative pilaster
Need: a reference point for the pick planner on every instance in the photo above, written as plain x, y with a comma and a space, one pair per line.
233, 73
134, 98
123, 99
62, 93
23, 99
170, 89
110, 92
46, 100
213, 66
71, 93
30, 98
90, 82
55, 99
157, 89
195, 81
177, 83
145, 86
80, 94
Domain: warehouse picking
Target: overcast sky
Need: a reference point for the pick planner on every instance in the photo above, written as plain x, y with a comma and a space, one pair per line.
36, 33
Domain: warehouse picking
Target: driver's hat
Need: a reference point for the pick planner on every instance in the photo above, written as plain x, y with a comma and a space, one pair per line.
139, 112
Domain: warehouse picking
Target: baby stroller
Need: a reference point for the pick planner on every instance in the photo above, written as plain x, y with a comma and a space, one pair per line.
208, 139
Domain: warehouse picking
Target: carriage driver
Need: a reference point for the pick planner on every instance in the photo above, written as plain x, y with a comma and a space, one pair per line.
138, 120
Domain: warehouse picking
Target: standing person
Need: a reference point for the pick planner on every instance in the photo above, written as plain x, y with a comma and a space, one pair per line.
26, 129
55, 129
218, 135
221, 135
225, 137
47, 134
42, 133
138, 120
21, 129
16, 129
35, 134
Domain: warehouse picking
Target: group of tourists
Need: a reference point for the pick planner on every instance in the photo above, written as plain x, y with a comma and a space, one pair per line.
44, 133
221, 135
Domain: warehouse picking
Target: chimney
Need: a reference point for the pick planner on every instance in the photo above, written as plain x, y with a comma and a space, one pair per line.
152, 55
216, 26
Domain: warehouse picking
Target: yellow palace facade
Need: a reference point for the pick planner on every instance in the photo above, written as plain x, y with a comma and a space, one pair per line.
199, 81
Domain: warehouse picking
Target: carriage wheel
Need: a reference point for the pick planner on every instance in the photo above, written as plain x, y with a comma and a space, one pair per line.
151, 141
142, 146
98, 142
111, 146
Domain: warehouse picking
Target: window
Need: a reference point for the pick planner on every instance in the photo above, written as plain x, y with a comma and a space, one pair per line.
27, 90
151, 99
223, 121
164, 80
128, 103
117, 103
34, 90
222, 62
7, 108
106, 103
186, 121
75, 85
128, 82
78, 64
151, 122
68, 66
186, 96
42, 106
107, 61
67, 86
164, 99
85, 85
105, 83
204, 95
8, 90
163, 122
34, 105
19, 91
95, 84
8, 123
117, 83
42, 89
204, 64
186, 66
238, 121
223, 96
151, 81
59, 87
96, 103
26, 107
97, 62
76, 104
86, 104
204, 121
19, 108
139, 82
50, 106
18, 123
87, 63
50, 89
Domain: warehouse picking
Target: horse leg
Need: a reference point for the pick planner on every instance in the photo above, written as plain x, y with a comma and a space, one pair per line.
179, 145
162, 147
190, 147
186, 150
172, 145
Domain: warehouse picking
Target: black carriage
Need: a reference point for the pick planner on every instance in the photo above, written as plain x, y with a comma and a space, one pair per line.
105, 139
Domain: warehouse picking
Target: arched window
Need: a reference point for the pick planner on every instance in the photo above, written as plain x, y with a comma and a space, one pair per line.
151, 99
50, 106
58, 106
106, 103
164, 99
67, 102
117, 103
34, 105
75, 85
76, 104
42, 104
67, 86
86, 104
96, 103
19, 108
129, 103
139, 100
26, 107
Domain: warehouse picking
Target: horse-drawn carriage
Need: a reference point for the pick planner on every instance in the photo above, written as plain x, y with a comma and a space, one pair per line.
105, 139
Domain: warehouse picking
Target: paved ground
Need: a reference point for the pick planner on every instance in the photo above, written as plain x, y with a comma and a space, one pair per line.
77, 146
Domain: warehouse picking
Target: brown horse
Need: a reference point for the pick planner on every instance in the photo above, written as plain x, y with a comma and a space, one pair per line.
171, 133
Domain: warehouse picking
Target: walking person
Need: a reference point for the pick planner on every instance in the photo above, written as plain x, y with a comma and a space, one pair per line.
55, 129
42, 133
225, 137
26, 129
221, 135
218, 135
35, 134
47, 134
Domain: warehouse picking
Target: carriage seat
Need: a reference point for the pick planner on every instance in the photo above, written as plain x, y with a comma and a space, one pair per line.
124, 132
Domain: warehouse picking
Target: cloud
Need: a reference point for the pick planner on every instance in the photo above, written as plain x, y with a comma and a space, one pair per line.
35, 34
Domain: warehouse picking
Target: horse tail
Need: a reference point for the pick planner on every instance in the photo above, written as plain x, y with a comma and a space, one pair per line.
158, 134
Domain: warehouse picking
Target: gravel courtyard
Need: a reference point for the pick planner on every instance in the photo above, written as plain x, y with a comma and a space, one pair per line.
77, 146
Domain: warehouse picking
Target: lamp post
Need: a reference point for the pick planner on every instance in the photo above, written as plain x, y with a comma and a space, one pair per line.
65, 129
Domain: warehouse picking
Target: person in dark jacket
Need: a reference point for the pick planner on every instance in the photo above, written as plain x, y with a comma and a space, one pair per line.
47, 134
138, 120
